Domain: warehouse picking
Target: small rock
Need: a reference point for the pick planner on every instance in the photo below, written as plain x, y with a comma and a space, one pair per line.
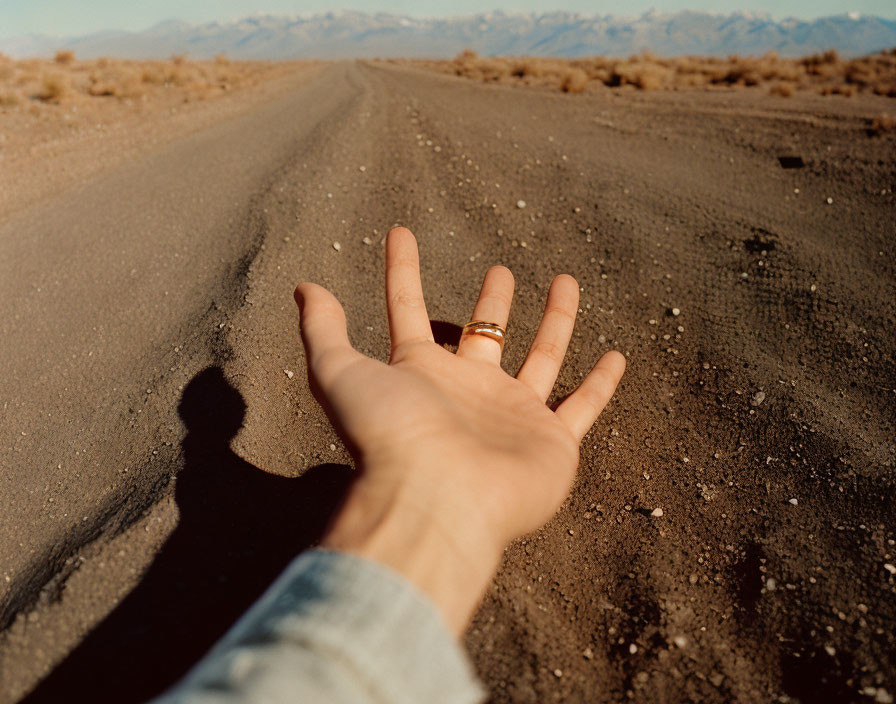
676, 312
829, 200
337, 246
367, 240
717, 678
793, 501
521, 204
890, 568
680, 641
657, 513
758, 398
632, 648
289, 374
362, 168
830, 650
588, 653
558, 672
332, 447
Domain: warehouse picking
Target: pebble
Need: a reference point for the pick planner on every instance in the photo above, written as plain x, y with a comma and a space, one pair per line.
362, 168
332, 447
829, 200
632, 648
367, 240
794, 501
680, 641
676, 312
588, 653
758, 398
337, 246
289, 374
890, 568
521, 204
558, 672
657, 513
881, 696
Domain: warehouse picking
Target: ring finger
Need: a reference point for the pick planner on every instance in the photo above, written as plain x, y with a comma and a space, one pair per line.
493, 306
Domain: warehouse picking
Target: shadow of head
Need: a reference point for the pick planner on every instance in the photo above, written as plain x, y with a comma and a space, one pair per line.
210, 406
238, 527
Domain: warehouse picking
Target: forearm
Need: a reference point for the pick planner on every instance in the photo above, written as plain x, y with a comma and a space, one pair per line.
452, 563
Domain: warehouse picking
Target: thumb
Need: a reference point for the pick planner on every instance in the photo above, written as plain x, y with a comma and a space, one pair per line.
324, 334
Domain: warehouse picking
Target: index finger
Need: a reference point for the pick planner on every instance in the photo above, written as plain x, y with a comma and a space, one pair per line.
408, 319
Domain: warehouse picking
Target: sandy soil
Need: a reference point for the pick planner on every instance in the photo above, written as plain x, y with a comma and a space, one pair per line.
161, 457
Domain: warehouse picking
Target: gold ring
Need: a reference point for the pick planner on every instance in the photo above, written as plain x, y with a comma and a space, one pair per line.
490, 330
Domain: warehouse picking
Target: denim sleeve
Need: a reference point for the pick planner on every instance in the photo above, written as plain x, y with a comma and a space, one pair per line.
334, 629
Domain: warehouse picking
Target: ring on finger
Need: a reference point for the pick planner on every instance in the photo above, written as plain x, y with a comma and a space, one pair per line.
490, 330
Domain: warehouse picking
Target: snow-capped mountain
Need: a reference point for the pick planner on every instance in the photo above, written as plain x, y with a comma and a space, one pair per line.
356, 34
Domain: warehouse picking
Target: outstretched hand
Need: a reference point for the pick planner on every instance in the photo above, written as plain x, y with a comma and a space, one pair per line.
456, 458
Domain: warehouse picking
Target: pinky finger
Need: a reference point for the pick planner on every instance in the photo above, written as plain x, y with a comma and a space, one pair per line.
582, 407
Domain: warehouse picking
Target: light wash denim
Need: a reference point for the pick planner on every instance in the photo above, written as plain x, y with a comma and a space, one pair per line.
334, 628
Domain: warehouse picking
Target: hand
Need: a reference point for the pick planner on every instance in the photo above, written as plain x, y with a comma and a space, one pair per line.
456, 458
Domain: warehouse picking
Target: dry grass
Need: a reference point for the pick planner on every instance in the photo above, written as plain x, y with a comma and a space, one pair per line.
826, 73
66, 80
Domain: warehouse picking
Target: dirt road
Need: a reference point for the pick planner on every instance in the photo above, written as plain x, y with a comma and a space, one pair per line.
756, 305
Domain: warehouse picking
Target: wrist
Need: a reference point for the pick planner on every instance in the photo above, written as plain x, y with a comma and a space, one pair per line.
451, 561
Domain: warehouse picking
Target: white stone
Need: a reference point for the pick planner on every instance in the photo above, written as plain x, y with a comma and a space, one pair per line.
521, 204
657, 513
289, 374
337, 246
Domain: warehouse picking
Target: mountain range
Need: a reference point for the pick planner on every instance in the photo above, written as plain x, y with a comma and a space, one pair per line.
363, 35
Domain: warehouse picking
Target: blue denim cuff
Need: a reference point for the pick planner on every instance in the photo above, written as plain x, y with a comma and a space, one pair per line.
335, 627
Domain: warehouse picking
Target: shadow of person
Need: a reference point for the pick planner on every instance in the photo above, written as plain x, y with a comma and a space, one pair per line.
239, 527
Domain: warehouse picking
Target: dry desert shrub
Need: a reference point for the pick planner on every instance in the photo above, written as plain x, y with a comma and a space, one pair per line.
826, 73
63, 78
64, 57
574, 81
785, 90
54, 87
641, 73
526, 67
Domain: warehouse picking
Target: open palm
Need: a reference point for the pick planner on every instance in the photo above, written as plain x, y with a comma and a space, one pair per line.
455, 434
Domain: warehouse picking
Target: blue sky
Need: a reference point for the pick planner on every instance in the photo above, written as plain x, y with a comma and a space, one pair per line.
72, 17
